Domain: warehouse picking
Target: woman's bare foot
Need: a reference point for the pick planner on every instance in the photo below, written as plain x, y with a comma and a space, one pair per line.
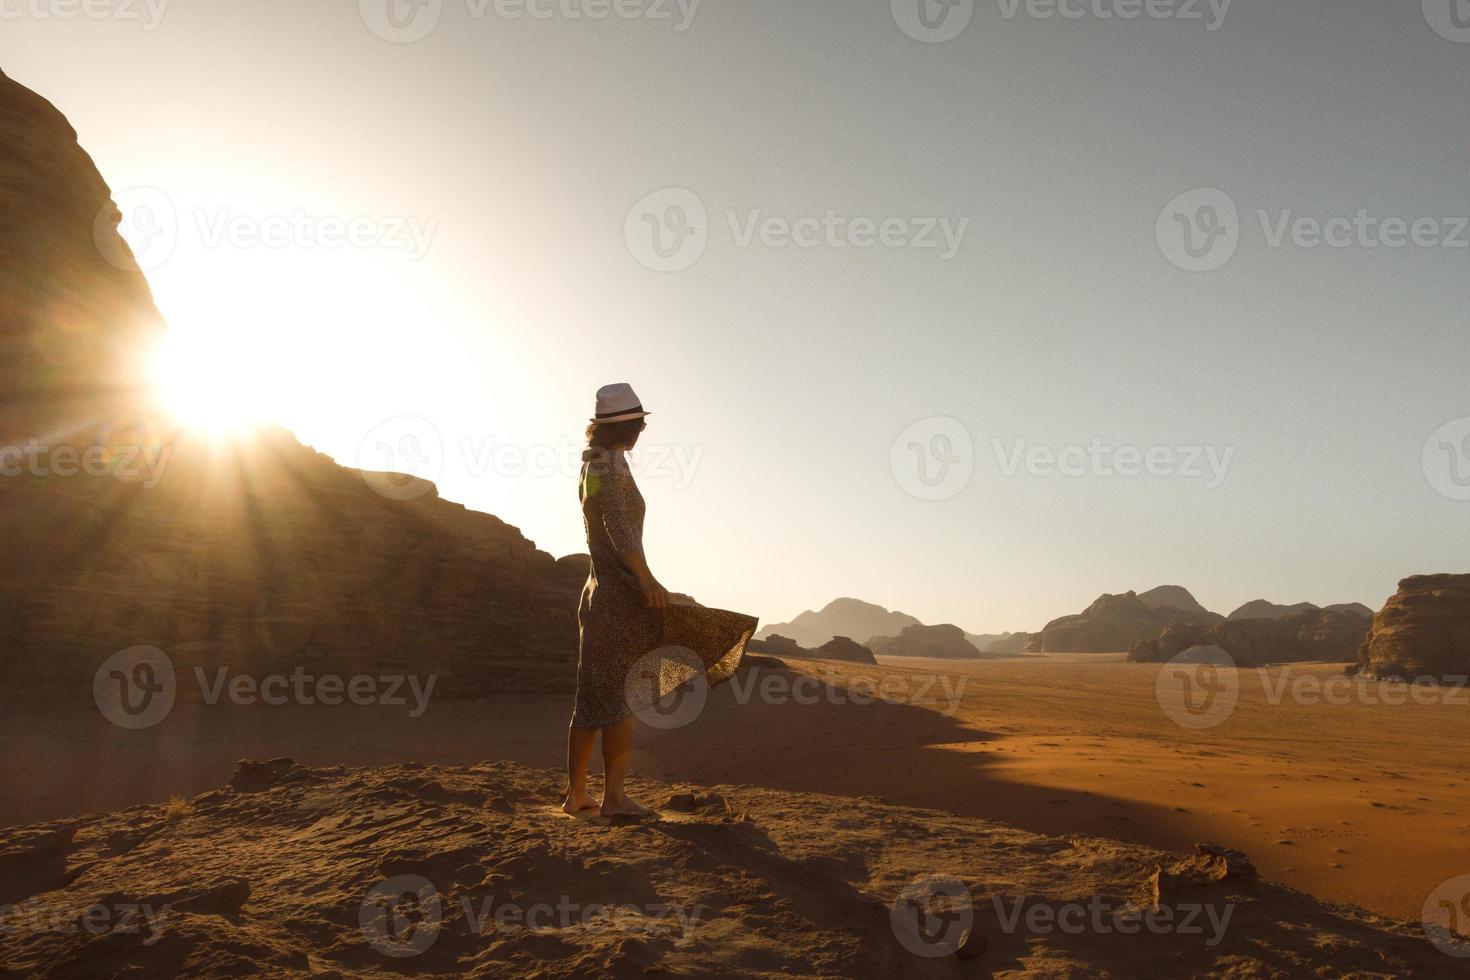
576, 803
623, 807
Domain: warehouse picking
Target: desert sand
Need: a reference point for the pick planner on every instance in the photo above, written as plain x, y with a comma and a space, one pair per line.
1358, 803
422, 870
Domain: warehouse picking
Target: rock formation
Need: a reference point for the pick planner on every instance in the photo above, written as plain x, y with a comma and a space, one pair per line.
984, 642
1264, 609
1114, 623
290, 871
841, 617
1312, 634
262, 555
1173, 596
838, 648
918, 640
1422, 631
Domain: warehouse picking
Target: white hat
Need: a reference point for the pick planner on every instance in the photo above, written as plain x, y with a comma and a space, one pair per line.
618, 403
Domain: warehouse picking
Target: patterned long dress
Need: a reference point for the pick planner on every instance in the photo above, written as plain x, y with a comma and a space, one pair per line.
632, 655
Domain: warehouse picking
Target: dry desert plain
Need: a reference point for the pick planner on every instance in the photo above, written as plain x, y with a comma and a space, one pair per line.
1353, 792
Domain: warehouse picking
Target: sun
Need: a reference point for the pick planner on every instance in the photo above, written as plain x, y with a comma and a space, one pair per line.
209, 382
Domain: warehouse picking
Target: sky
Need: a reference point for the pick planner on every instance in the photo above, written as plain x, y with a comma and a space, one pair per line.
975, 310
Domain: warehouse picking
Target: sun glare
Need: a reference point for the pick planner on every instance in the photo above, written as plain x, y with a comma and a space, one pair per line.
207, 383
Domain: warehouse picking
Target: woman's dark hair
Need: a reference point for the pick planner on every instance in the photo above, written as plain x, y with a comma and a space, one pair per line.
611, 435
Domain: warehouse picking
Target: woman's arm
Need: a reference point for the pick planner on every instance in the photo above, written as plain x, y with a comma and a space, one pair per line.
656, 595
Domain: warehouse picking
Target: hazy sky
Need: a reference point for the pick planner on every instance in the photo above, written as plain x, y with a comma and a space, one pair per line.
493, 175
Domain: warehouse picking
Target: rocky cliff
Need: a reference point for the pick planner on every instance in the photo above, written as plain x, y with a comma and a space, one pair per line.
261, 554
1422, 631
1312, 634
942, 640
1113, 623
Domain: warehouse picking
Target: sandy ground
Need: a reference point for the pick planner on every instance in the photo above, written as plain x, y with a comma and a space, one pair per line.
415, 870
1359, 802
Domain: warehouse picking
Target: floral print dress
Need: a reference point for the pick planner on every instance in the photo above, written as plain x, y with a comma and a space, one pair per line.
632, 655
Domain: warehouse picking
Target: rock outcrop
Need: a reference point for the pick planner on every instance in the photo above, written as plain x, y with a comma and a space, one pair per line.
1265, 609
942, 640
1113, 623
262, 555
841, 617
1313, 634
447, 871
842, 648
1173, 596
1422, 631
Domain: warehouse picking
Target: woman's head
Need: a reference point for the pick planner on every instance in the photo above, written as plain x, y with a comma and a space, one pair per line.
615, 435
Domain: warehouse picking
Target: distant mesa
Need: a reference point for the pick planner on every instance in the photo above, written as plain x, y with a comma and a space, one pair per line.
842, 648
1332, 635
1008, 644
942, 641
1265, 609
1173, 597
841, 617
1114, 623
994, 642
1422, 631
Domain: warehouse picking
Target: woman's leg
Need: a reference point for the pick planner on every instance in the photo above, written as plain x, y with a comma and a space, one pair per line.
580, 742
617, 743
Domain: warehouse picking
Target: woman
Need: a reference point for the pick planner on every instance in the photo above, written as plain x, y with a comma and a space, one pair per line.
636, 647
